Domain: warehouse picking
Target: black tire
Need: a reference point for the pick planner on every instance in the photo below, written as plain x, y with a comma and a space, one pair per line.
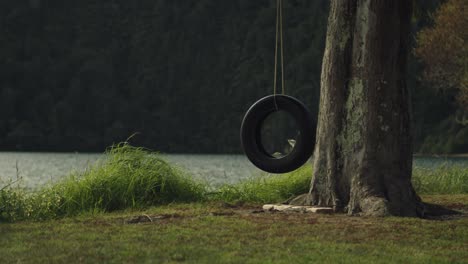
251, 133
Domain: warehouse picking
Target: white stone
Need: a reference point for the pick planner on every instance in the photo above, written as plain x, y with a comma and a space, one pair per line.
296, 208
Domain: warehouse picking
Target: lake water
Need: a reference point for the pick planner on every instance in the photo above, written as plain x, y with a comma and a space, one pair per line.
39, 169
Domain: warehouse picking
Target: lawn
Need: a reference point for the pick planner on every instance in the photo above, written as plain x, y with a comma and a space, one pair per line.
222, 233
135, 207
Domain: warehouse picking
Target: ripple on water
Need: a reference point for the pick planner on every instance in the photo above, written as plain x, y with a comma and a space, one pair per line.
39, 169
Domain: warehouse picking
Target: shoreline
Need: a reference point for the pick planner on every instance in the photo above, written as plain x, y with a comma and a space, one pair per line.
419, 155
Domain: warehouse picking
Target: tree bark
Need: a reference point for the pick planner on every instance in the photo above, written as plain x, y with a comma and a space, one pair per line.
363, 156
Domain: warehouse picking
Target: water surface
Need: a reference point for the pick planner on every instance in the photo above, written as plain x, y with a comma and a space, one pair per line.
39, 169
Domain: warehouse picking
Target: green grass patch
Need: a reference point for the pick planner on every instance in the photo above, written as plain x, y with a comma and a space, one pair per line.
267, 188
441, 180
277, 188
211, 233
128, 177
135, 178
190, 223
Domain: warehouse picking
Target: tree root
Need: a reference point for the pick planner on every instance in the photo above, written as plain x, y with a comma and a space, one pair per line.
376, 207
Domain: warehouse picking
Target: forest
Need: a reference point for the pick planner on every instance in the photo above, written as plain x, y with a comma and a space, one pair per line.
177, 76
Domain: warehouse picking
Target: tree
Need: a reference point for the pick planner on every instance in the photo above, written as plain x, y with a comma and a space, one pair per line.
443, 50
363, 155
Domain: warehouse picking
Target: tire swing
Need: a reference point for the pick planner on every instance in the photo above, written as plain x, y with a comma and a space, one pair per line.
251, 128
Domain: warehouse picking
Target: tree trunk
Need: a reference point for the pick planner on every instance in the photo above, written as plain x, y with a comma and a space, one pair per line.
363, 156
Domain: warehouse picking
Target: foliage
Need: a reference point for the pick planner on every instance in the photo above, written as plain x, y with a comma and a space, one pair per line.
439, 142
180, 73
79, 76
443, 49
12, 204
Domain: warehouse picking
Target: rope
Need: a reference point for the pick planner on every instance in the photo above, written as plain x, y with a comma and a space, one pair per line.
282, 57
279, 32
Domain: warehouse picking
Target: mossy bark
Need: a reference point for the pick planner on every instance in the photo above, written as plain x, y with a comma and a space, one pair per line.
363, 156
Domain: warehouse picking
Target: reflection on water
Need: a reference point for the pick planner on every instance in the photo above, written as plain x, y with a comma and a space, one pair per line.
38, 169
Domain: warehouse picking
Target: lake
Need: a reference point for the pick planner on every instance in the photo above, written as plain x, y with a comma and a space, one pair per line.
39, 169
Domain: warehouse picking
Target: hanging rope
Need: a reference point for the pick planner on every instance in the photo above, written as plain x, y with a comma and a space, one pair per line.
279, 33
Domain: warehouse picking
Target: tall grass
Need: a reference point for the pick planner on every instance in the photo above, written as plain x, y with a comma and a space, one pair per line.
131, 177
268, 188
128, 177
441, 180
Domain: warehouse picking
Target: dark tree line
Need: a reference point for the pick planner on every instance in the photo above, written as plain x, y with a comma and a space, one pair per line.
81, 75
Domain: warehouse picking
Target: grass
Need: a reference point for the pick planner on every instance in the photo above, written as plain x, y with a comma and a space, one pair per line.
135, 178
267, 188
110, 205
212, 233
441, 180
129, 177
